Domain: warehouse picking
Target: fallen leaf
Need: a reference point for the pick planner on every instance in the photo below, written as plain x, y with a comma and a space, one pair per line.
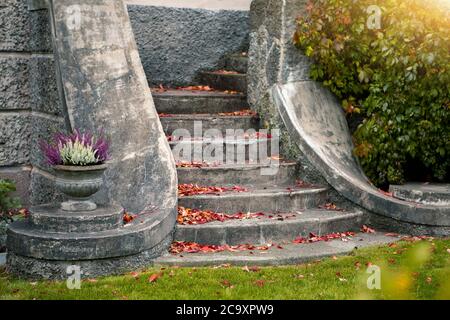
366, 229
260, 283
429, 280
185, 190
154, 277
226, 284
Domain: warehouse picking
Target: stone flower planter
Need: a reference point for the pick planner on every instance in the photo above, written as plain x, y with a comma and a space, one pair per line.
79, 184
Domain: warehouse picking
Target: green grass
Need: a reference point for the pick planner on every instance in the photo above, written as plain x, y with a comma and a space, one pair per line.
409, 270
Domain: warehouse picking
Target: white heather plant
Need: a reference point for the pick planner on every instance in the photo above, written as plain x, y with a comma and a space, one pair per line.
76, 153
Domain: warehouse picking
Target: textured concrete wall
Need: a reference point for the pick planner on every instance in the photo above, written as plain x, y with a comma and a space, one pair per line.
176, 43
15, 105
29, 103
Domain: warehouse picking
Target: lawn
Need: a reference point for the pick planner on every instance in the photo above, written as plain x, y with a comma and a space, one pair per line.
409, 270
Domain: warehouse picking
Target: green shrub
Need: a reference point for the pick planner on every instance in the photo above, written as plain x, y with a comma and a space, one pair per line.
397, 78
7, 203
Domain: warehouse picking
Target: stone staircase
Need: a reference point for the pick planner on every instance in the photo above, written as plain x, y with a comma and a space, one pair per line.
290, 209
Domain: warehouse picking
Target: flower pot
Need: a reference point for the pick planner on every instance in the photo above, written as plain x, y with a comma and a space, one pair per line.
79, 184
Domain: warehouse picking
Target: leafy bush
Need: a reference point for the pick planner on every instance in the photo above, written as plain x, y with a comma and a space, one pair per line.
7, 203
396, 78
76, 149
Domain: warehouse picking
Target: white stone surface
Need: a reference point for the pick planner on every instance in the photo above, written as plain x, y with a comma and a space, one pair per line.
204, 4
2, 259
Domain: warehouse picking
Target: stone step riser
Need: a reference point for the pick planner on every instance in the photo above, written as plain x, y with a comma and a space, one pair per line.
260, 234
249, 202
243, 176
171, 124
289, 255
233, 82
225, 152
197, 105
237, 63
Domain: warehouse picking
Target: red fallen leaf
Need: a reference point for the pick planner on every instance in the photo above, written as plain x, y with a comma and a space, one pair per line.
331, 207
260, 283
392, 245
303, 184
188, 216
159, 89
128, 217
254, 269
194, 189
357, 265
225, 72
366, 229
154, 277
196, 88
315, 238
184, 164
395, 235
178, 247
387, 194
226, 284
246, 112
165, 115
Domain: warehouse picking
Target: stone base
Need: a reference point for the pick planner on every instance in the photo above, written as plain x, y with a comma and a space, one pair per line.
30, 268
49, 241
424, 193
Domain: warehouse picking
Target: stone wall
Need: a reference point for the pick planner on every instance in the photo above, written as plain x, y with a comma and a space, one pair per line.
29, 103
176, 43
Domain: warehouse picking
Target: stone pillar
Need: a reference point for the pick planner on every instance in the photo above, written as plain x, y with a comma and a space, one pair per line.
105, 87
273, 58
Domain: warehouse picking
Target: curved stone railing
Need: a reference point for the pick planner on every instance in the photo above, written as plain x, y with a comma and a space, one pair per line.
280, 87
316, 121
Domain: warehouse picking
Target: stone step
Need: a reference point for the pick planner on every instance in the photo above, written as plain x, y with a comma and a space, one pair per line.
188, 102
437, 194
51, 218
205, 122
239, 174
237, 62
260, 231
259, 199
225, 81
235, 151
291, 254
142, 234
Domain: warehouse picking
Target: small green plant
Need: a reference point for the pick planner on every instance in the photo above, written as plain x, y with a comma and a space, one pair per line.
7, 204
395, 76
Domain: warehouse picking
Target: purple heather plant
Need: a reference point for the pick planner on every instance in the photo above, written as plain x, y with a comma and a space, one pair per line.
52, 150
